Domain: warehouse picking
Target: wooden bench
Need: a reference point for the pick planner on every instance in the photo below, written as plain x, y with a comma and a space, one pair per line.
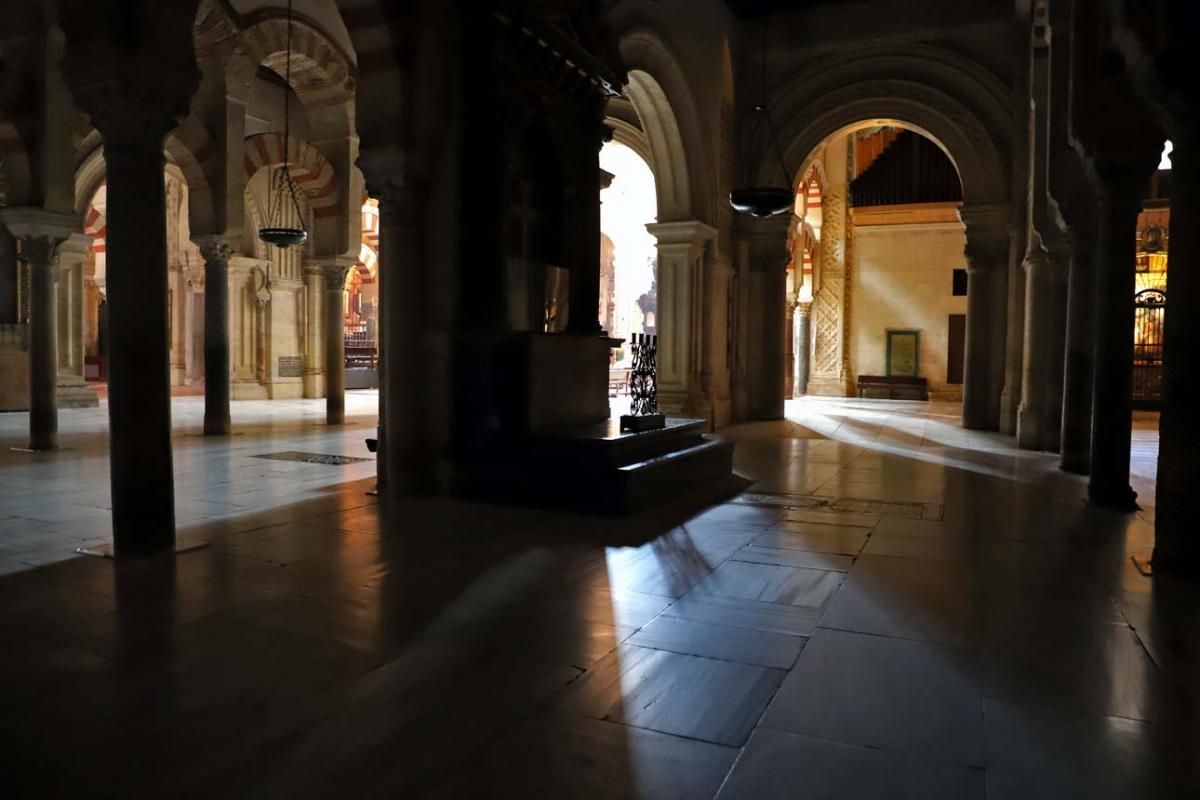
893, 387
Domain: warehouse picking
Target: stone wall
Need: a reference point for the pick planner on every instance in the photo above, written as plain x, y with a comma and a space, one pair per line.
902, 277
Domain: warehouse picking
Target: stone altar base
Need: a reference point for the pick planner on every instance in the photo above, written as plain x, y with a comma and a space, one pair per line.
601, 469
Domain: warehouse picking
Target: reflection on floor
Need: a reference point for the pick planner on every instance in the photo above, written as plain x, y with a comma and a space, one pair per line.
900, 611
52, 503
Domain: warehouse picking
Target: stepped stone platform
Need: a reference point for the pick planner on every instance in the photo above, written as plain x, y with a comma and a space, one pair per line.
600, 469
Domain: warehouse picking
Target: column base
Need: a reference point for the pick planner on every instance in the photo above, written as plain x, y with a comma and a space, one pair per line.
74, 393
1116, 498
1176, 558
1076, 464
1029, 428
217, 426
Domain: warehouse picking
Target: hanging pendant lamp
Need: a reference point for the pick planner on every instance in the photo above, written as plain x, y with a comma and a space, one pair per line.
765, 201
281, 186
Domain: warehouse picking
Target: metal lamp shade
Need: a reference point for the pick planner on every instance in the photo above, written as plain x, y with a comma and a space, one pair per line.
283, 237
762, 201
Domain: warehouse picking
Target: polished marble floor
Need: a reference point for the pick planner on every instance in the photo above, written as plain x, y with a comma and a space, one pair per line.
896, 609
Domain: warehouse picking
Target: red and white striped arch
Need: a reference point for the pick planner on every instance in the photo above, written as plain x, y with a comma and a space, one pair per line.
95, 226
309, 169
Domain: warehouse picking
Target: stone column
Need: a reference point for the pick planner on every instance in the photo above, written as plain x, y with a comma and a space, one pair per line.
1076, 443
803, 346
1177, 545
987, 254
768, 253
134, 84
1121, 186
789, 349
404, 416
216, 250
681, 248
314, 340
335, 340
40, 233
139, 397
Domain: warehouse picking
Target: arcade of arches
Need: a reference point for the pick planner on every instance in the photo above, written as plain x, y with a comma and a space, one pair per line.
978, 286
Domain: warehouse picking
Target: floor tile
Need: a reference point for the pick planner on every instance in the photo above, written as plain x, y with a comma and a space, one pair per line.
782, 766
826, 539
907, 598
1035, 753
916, 697
748, 614
700, 698
770, 583
756, 554
761, 648
564, 756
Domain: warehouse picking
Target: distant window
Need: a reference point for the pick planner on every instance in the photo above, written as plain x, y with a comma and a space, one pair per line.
960, 283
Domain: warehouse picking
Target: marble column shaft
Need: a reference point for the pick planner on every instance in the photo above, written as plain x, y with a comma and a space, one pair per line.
139, 395
335, 344
43, 342
768, 240
1121, 188
216, 251
314, 339
1176, 544
1056, 356
803, 346
41, 233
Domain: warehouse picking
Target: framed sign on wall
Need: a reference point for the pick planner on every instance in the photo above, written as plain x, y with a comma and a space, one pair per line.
904, 353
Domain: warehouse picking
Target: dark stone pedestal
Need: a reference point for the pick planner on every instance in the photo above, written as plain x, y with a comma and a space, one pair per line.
636, 423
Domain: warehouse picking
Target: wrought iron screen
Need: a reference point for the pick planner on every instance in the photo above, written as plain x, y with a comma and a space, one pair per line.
643, 377
1150, 307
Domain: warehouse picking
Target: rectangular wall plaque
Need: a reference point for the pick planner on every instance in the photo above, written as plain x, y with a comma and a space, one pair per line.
904, 353
291, 366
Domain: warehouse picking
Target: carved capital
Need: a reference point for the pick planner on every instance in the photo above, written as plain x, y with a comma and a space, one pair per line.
216, 249
385, 173
134, 72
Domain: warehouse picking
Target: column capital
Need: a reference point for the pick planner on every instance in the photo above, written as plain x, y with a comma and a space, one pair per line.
134, 83
989, 232
73, 250
216, 249
334, 268
386, 173
39, 231
691, 233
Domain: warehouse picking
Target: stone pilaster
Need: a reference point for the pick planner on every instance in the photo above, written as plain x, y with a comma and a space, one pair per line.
681, 291
829, 372
73, 391
987, 254
1039, 338
314, 340
216, 250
